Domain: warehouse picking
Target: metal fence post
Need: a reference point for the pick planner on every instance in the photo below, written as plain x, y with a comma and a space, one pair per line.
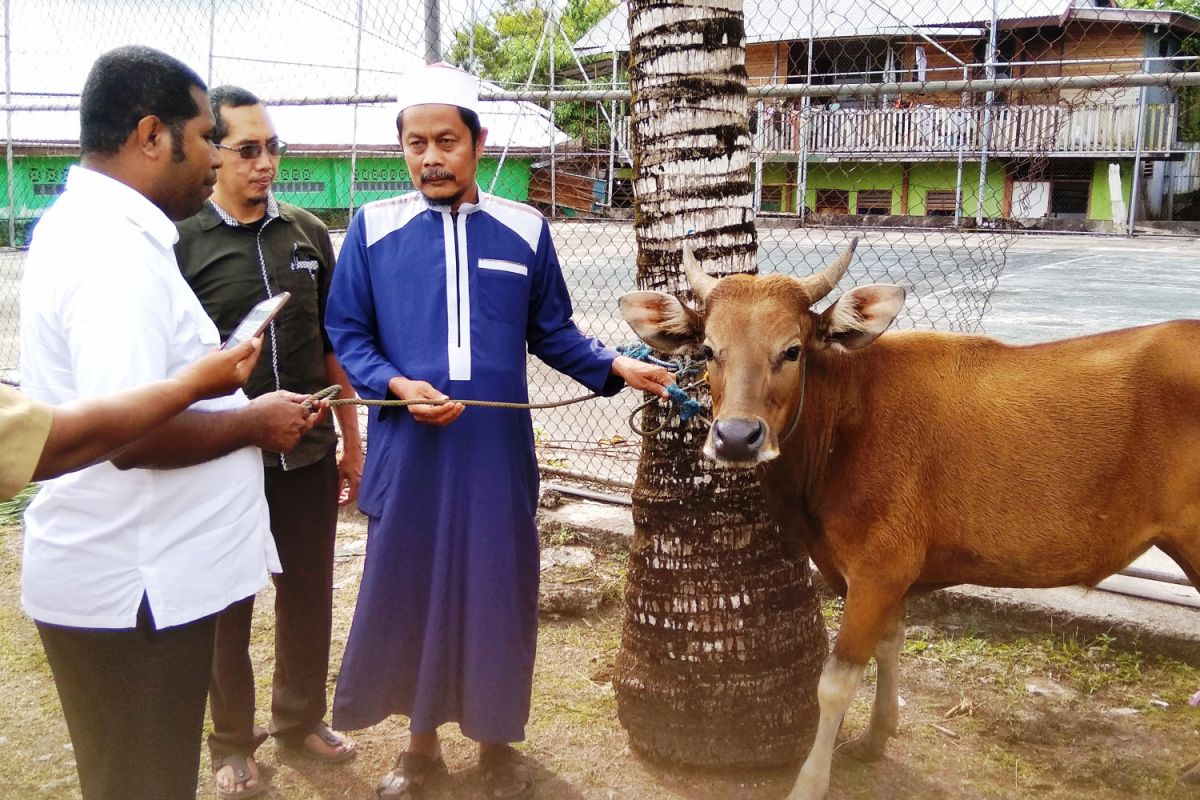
433, 32
8, 146
989, 100
354, 113
1135, 179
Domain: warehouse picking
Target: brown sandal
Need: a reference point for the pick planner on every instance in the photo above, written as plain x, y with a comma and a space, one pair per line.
408, 776
505, 775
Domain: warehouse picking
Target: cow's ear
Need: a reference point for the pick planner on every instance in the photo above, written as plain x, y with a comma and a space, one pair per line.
662, 321
859, 316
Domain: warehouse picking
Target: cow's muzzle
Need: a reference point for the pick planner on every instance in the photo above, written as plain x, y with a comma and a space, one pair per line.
738, 440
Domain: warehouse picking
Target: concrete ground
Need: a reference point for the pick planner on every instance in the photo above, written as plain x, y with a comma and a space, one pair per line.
1152, 626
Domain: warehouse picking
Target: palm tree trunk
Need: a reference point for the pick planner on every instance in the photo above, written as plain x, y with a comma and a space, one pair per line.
723, 639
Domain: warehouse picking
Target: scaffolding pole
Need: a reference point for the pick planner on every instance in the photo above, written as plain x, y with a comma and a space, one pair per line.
354, 112
8, 145
989, 100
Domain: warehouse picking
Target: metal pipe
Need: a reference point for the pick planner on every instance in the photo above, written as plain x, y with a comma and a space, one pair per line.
212, 38
962, 143
1135, 179
354, 113
612, 136
576, 475
8, 139
433, 32
802, 158
614, 499
1039, 83
1154, 575
1168, 80
988, 111
554, 31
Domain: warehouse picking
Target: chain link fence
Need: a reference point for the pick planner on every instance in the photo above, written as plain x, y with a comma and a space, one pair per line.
935, 130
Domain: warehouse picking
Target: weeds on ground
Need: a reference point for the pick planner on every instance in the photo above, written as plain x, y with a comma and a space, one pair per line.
11, 511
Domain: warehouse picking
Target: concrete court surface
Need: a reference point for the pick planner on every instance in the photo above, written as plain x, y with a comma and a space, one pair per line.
1060, 286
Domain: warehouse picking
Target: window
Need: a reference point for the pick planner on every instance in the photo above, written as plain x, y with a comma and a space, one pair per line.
833, 201
383, 186
837, 61
1069, 198
939, 203
772, 197
299, 187
875, 201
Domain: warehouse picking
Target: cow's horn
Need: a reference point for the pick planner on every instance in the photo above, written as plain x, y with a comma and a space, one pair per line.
700, 281
821, 283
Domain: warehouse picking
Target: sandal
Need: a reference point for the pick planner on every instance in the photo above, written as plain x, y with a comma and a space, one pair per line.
301, 747
408, 776
241, 773
505, 776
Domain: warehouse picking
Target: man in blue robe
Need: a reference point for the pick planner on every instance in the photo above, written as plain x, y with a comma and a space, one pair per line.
437, 294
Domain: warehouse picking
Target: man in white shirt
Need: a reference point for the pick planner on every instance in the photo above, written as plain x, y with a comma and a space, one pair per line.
127, 563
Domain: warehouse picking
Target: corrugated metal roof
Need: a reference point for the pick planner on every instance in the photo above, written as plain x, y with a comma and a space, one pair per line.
509, 123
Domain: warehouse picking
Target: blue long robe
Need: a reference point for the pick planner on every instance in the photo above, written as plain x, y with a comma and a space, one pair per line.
445, 629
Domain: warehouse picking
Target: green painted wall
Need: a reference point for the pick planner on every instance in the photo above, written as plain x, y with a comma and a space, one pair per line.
858, 176
514, 177
1100, 198
318, 183
311, 183
855, 177
941, 176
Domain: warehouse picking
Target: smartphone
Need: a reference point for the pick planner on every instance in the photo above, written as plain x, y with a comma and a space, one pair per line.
255, 322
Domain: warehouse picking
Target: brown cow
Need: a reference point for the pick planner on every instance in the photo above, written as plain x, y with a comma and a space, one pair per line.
933, 459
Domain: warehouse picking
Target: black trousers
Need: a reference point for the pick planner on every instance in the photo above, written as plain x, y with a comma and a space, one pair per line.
303, 504
134, 703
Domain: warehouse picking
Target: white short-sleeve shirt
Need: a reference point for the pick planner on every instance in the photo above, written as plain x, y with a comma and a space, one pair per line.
104, 308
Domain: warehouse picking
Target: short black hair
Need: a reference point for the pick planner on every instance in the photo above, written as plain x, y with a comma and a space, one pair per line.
228, 96
128, 84
469, 118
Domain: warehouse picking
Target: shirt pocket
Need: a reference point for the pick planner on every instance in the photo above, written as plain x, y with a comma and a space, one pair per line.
299, 276
504, 291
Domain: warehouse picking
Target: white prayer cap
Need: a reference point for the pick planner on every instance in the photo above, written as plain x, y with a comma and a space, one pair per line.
439, 83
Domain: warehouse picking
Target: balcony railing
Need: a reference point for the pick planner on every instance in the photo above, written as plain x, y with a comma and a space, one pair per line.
945, 131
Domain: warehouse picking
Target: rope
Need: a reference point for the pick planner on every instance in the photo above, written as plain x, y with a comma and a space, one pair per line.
330, 393
687, 405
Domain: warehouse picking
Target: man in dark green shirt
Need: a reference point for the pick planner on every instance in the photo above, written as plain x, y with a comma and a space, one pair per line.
245, 246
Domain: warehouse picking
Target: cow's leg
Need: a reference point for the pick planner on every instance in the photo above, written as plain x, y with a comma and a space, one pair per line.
867, 614
885, 713
1184, 550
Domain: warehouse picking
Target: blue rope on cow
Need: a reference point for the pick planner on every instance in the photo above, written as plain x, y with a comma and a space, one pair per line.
641, 352
688, 406
684, 367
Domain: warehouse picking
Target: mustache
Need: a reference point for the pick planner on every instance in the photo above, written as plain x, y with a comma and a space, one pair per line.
435, 174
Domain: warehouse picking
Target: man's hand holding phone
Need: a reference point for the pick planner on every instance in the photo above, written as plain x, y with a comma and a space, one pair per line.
220, 372
257, 320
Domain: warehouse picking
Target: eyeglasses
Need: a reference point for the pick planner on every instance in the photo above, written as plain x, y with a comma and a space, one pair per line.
253, 150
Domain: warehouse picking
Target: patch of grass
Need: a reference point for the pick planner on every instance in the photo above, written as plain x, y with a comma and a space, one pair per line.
11, 511
559, 538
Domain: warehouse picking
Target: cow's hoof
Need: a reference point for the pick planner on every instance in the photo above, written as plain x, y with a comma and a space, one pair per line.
1191, 774
864, 748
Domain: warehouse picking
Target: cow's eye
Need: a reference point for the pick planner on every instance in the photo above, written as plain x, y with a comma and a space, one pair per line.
707, 353
792, 353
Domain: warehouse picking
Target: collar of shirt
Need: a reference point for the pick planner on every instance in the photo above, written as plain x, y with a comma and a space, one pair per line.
110, 193
465, 208
220, 215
